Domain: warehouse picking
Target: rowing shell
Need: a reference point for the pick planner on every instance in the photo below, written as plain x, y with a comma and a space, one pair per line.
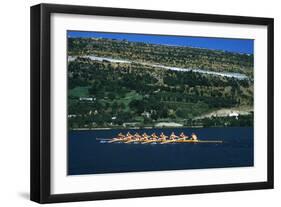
151, 141
131, 141
192, 141
114, 140
173, 141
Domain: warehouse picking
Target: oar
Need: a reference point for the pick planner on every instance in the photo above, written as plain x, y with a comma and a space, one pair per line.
130, 141
168, 141
102, 139
149, 141
116, 140
183, 138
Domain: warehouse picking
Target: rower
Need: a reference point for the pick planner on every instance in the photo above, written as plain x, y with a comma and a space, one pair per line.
129, 136
183, 136
173, 136
154, 136
194, 137
137, 136
145, 136
163, 136
120, 136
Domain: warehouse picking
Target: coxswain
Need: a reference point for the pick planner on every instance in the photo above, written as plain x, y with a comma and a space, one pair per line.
194, 137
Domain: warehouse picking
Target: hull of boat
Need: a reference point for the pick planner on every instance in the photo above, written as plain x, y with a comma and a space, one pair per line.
117, 140
151, 141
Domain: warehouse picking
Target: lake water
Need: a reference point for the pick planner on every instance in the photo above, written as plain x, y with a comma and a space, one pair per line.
86, 155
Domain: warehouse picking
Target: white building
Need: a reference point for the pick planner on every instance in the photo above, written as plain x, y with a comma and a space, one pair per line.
87, 99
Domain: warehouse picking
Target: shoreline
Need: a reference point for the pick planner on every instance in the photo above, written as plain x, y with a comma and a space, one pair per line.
137, 128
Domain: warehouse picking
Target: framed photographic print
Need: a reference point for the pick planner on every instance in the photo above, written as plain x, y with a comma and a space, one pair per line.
132, 103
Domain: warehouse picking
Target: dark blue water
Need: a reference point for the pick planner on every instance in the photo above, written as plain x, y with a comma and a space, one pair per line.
86, 155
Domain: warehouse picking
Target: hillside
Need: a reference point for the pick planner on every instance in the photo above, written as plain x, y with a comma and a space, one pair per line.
176, 56
111, 94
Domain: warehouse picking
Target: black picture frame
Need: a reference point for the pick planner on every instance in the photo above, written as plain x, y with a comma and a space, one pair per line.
40, 184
